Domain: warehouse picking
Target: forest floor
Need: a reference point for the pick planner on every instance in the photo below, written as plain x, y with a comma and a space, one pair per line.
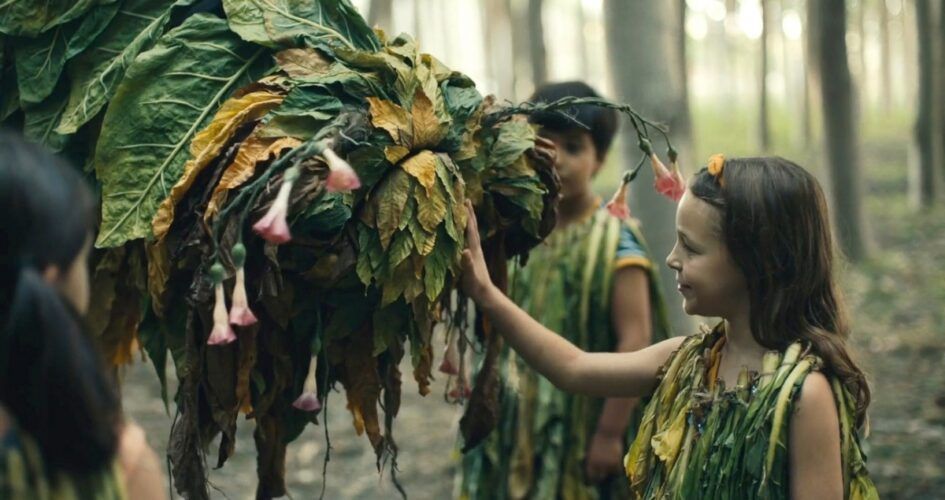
896, 300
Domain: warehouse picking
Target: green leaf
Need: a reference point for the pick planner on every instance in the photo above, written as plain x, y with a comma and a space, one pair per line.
168, 95
391, 197
97, 72
40, 61
275, 23
389, 325
325, 216
304, 112
40, 121
514, 138
32, 17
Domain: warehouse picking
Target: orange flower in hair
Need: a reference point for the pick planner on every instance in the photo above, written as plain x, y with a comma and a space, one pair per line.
716, 165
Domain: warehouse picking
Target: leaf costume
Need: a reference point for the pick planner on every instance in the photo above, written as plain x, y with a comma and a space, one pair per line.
699, 440
22, 474
539, 448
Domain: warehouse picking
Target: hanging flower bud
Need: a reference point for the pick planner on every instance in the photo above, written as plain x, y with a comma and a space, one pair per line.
273, 226
458, 387
240, 314
450, 363
668, 184
308, 400
222, 333
617, 206
341, 177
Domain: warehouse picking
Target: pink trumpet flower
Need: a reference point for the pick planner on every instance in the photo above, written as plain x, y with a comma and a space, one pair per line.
222, 333
450, 363
341, 176
617, 206
273, 226
308, 400
240, 313
668, 184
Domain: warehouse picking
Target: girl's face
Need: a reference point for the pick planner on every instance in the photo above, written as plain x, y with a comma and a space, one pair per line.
707, 277
576, 160
73, 282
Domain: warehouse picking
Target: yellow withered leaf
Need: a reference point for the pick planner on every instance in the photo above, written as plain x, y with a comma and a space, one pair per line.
252, 151
299, 63
422, 166
427, 129
431, 208
392, 118
207, 145
395, 153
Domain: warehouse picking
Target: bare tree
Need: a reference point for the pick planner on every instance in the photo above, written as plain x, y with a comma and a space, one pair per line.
924, 170
536, 42
840, 126
643, 50
811, 69
380, 13
764, 130
941, 86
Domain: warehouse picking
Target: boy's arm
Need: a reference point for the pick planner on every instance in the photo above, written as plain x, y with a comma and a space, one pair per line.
631, 317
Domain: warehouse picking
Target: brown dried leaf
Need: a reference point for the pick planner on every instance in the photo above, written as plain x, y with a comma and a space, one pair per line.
362, 384
252, 151
395, 153
208, 143
428, 131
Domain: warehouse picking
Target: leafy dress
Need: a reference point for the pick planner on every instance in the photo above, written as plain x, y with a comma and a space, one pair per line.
22, 474
699, 440
538, 448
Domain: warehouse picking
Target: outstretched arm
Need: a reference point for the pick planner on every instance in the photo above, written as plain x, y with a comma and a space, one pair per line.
628, 374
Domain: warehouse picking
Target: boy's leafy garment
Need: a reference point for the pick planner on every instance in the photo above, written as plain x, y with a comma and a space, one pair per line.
538, 450
187, 122
699, 440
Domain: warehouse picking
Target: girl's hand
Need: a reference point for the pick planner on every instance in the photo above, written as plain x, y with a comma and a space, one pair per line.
544, 152
476, 282
604, 457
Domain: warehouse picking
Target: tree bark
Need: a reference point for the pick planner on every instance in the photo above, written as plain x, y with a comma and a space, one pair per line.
497, 39
643, 50
811, 69
924, 168
536, 43
841, 130
885, 80
764, 131
380, 14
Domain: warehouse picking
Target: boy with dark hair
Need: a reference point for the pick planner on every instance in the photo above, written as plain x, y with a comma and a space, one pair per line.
593, 281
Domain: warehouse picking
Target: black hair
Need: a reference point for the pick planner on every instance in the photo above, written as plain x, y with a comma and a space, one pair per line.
52, 378
601, 122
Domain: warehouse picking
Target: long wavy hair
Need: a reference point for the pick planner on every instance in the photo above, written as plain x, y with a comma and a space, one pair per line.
776, 227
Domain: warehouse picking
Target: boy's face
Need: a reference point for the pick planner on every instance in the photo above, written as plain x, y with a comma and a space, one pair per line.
577, 159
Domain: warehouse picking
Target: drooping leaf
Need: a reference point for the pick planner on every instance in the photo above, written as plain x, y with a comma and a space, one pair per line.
514, 138
392, 118
286, 22
208, 143
39, 121
431, 206
390, 198
96, 73
252, 151
40, 60
32, 17
422, 166
167, 96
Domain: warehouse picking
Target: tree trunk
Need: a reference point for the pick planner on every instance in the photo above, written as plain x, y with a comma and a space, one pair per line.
811, 70
841, 130
583, 51
685, 122
764, 131
885, 80
924, 168
380, 14
643, 50
941, 88
536, 43
497, 39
